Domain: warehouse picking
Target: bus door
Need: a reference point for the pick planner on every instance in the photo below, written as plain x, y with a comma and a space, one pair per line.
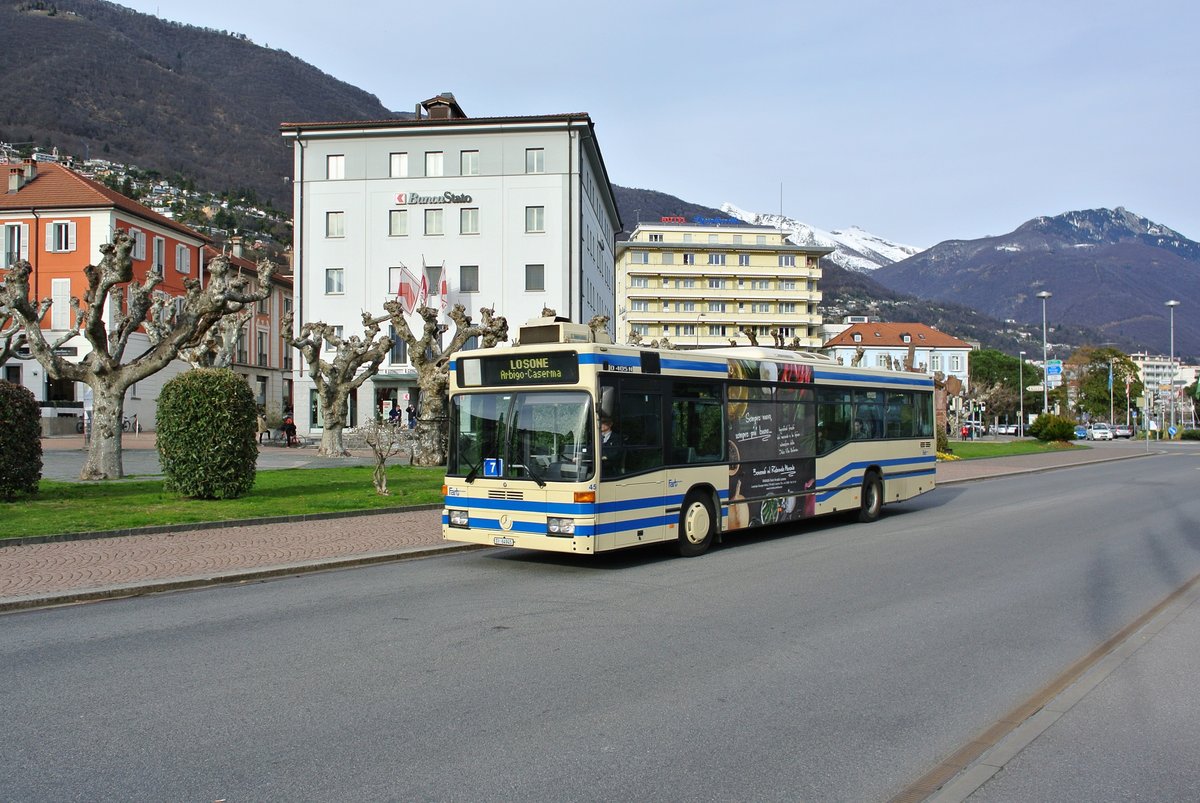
632, 479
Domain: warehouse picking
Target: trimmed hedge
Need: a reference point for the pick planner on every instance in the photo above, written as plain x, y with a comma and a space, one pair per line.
20, 441
206, 427
1190, 435
1052, 428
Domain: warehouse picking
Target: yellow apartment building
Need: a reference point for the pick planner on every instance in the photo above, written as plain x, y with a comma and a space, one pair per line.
699, 285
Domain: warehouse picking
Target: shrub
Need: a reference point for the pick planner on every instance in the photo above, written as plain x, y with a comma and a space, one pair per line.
20, 441
1190, 435
943, 442
206, 434
1052, 428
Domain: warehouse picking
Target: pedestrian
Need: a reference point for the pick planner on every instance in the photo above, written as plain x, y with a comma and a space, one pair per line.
289, 429
394, 415
263, 429
412, 416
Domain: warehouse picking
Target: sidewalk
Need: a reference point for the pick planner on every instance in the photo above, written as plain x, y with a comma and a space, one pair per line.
36, 575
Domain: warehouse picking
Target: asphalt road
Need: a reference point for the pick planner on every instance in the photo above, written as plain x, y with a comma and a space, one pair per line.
827, 662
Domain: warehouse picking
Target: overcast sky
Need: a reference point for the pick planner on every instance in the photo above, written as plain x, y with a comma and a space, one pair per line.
918, 121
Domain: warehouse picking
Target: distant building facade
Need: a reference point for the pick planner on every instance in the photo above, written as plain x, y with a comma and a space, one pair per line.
512, 213
698, 285
885, 345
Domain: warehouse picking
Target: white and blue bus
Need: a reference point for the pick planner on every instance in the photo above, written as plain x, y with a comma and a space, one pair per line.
572, 445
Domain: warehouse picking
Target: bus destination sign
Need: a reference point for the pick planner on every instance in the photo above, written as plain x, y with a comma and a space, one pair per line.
561, 367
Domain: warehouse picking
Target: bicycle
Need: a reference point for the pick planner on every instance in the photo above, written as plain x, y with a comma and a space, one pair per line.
128, 424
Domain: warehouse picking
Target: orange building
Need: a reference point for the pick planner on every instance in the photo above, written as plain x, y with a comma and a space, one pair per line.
57, 220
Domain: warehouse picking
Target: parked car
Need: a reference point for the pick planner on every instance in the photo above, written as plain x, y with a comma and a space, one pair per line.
1122, 431
1099, 432
1006, 429
1080, 431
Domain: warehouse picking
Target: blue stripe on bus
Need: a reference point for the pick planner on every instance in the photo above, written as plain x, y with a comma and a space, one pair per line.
693, 365
568, 508
920, 382
629, 360
828, 479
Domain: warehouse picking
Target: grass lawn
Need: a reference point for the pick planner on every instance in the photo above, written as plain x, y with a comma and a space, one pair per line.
66, 507
968, 450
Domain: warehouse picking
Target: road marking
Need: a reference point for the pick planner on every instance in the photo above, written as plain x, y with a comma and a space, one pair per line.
964, 771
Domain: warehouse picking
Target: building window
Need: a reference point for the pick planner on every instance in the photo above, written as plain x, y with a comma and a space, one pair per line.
398, 165
639, 281
468, 163
935, 362
760, 239
956, 363
743, 260
716, 284
468, 278
760, 284
433, 222
737, 239
434, 165
689, 259
60, 238
668, 258
139, 244
641, 329
535, 219
688, 329
260, 351
687, 237
712, 238
335, 166
717, 330
787, 284
468, 221
787, 260
399, 353
335, 281
183, 259
787, 308
397, 222
535, 278
656, 238
856, 337
335, 224
16, 243
535, 160
760, 307
639, 257
716, 259
60, 309
639, 306
160, 255
686, 306
716, 306
687, 284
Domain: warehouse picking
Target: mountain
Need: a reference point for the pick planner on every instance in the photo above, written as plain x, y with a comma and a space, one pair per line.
853, 248
97, 79
635, 205
1108, 269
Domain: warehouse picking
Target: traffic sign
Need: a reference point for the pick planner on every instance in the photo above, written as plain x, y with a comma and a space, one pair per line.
1034, 388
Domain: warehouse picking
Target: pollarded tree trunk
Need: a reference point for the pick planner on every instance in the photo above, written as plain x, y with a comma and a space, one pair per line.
104, 457
333, 408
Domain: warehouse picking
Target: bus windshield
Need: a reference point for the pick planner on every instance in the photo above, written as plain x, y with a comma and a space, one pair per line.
543, 436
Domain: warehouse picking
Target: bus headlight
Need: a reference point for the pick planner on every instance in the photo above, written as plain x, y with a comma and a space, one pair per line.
459, 518
560, 526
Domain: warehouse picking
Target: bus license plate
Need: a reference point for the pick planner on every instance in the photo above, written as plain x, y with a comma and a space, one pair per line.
501, 540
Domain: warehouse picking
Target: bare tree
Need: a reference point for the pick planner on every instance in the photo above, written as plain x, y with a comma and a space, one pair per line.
356, 359
431, 360
216, 349
105, 368
12, 334
386, 439
748, 331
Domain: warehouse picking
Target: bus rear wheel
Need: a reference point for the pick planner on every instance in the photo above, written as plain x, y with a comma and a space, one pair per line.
872, 498
697, 525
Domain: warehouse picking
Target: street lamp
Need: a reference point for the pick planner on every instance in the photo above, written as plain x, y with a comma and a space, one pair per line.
1045, 368
1021, 394
1171, 305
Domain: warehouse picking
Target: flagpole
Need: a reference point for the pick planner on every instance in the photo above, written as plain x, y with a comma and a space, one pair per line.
1110, 391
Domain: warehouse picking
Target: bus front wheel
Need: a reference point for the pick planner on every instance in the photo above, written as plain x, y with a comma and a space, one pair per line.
872, 498
697, 526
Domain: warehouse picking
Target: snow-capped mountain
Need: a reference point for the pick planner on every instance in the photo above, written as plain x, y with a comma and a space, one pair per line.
854, 249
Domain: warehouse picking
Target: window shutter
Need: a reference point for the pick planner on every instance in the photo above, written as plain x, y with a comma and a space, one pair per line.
71, 236
50, 237
60, 295
25, 241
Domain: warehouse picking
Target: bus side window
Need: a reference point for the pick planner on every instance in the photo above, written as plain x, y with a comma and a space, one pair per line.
639, 427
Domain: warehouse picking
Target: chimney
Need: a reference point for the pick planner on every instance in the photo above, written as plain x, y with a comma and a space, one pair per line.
15, 179
235, 243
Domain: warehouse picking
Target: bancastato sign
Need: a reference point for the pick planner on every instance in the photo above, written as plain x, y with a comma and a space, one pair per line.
411, 198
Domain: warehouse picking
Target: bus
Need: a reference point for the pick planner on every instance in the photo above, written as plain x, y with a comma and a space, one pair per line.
570, 443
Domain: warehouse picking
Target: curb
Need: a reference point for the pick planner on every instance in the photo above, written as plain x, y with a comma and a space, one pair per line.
229, 578
158, 529
1040, 469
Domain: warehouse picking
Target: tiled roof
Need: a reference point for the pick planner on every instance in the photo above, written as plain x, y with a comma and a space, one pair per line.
57, 187
889, 335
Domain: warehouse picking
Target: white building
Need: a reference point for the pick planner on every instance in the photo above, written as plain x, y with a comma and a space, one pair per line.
886, 345
514, 213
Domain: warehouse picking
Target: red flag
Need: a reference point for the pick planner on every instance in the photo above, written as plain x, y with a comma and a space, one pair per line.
408, 290
424, 287
445, 295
